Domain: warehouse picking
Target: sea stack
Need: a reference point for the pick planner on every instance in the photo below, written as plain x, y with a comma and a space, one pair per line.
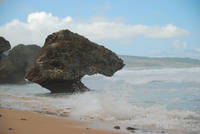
66, 57
4, 46
14, 66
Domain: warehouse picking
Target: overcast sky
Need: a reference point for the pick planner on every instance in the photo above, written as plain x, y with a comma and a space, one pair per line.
128, 27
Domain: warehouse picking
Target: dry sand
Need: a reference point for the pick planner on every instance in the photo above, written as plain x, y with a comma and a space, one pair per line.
25, 122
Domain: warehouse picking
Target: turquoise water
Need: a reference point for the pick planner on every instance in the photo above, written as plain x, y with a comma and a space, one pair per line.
165, 98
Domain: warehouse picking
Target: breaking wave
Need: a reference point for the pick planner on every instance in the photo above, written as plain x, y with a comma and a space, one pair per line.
157, 98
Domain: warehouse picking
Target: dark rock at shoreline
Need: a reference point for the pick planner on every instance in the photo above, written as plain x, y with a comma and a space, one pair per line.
131, 129
14, 66
4, 46
66, 57
10, 129
116, 127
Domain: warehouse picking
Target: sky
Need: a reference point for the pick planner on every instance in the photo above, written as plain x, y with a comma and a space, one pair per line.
155, 28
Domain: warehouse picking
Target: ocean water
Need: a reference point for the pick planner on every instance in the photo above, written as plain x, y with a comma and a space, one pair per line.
160, 98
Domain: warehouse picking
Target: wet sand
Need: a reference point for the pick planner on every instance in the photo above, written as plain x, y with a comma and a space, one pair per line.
14, 121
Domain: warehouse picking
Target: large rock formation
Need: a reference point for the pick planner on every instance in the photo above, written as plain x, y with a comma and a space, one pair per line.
14, 66
66, 57
4, 46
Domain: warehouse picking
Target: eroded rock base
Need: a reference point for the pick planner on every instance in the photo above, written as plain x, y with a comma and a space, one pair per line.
64, 86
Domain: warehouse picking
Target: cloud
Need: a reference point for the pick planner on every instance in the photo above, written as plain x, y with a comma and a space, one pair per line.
39, 24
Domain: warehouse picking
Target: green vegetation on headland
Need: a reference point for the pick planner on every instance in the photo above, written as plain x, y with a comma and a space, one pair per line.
159, 62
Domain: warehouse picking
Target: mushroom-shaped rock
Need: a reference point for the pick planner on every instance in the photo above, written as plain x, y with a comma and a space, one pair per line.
14, 66
66, 57
4, 46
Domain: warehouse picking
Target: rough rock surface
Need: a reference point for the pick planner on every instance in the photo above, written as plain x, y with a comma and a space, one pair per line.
4, 46
14, 66
66, 57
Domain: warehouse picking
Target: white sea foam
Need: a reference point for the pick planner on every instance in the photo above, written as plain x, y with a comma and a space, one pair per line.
159, 98
149, 75
106, 107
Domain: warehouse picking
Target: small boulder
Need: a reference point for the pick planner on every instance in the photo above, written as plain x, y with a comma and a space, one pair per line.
116, 127
131, 129
66, 57
10, 129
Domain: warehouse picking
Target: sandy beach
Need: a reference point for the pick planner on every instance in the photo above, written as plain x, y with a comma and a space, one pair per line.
14, 121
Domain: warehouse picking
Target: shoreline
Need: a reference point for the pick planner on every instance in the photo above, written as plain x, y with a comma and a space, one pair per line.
20, 121
23, 122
